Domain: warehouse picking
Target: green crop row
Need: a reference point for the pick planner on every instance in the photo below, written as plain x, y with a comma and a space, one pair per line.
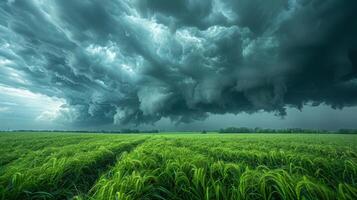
60, 171
166, 169
177, 166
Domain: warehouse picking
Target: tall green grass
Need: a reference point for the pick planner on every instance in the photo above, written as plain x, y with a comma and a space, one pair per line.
63, 167
175, 166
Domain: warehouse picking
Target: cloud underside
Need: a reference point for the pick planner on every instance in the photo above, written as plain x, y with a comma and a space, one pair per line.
138, 61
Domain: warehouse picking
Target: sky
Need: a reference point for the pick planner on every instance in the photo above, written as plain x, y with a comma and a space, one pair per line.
178, 64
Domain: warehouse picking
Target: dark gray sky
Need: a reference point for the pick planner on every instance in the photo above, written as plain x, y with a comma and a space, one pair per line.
201, 64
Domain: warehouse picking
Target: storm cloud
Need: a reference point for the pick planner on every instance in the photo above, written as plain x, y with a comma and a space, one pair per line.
134, 62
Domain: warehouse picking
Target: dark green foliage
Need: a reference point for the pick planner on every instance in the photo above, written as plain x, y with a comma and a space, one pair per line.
288, 130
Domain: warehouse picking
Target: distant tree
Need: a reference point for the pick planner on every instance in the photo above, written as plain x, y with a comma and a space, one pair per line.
130, 131
150, 131
347, 131
204, 132
287, 130
236, 130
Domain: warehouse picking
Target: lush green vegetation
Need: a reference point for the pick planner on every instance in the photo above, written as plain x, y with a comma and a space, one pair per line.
177, 166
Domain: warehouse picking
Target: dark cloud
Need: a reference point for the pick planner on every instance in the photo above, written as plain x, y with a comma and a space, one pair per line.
179, 13
139, 61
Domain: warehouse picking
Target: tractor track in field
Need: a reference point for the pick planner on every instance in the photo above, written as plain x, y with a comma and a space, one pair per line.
101, 167
79, 183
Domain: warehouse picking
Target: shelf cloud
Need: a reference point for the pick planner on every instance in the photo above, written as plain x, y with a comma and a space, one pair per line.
135, 62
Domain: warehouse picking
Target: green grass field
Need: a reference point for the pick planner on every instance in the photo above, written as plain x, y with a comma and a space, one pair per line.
177, 166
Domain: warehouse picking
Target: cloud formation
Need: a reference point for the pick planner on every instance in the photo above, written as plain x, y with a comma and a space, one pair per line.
133, 62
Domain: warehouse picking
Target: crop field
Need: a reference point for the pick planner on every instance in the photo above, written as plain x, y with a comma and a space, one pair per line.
177, 166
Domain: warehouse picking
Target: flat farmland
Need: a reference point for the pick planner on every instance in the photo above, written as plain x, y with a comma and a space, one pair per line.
177, 166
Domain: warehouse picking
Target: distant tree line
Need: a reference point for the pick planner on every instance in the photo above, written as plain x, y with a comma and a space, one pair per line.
347, 131
288, 130
223, 130
139, 131
88, 131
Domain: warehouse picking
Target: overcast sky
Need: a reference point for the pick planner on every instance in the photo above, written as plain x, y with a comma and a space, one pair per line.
178, 64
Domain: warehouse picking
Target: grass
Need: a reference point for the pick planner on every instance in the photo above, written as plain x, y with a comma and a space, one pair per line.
177, 166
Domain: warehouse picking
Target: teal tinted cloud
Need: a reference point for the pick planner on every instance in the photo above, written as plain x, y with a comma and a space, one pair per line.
134, 62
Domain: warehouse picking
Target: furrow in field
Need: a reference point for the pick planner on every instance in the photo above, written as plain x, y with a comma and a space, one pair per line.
137, 174
92, 173
189, 167
61, 172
